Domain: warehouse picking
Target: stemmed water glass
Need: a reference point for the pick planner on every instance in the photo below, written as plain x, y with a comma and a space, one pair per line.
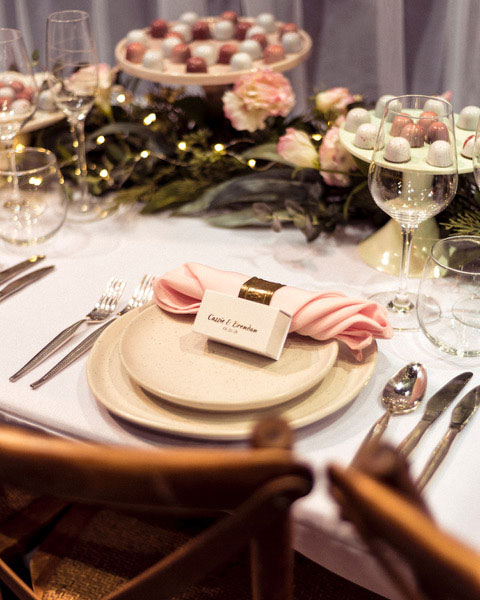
413, 176
72, 63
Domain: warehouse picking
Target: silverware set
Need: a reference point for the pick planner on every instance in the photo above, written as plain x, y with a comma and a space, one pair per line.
403, 393
103, 309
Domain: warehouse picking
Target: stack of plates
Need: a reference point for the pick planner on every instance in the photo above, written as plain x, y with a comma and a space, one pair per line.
151, 369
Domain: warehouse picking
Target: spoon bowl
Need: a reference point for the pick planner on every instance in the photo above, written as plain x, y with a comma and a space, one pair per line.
405, 390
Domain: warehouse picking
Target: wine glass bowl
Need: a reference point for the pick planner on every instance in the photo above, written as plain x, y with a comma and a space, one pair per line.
413, 176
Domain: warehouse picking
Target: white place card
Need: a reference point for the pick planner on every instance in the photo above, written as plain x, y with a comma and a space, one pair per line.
242, 323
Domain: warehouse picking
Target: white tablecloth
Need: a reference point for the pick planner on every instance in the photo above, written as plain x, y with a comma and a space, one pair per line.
128, 245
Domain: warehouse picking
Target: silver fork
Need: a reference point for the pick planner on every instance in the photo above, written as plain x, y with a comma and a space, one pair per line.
106, 305
141, 295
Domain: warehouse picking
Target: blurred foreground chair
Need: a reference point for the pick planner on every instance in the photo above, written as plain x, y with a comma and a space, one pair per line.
97, 517
378, 496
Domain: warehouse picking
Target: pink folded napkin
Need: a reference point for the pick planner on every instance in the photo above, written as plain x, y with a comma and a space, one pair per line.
322, 316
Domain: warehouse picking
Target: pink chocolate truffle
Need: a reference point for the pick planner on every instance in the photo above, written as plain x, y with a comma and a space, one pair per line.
399, 123
273, 53
158, 28
437, 131
135, 52
261, 38
196, 64
241, 30
413, 133
201, 31
180, 53
226, 52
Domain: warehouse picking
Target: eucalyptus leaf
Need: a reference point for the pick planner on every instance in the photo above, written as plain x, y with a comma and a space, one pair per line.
264, 152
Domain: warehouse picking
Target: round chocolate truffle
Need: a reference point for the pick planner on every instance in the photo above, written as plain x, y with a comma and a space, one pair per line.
184, 30
468, 118
7, 92
437, 131
158, 28
254, 30
437, 106
135, 52
230, 15
397, 150
208, 53
292, 42
261, 39
169, 44
189, 18
399, 123
196, 64
17, 86
153, 59
226, 52
273, 53
20, 106
426, 119
201, 31
223, 30
366, 136
137, 35
285, 28
393, 107
267, 21
180, 53
241, 61
468, 146
251, 47
241, 30
355, 118
46, 101
380, 105
413, 133
440, 154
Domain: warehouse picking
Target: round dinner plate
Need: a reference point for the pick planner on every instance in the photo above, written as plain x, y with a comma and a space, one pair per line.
119, 394
161, 352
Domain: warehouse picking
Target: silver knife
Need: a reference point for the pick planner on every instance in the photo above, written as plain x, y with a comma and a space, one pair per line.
21, 282
25, 264
436, 405
461, 414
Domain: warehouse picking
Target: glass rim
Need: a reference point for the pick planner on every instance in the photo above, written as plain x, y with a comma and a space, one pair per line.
51, 160
16, 35
448, 106
69, 16
451, 238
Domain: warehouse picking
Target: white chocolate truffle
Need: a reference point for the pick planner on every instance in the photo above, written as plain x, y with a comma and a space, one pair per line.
394, 108
241, 61
253, 30
208, 53
251, 47
366, 136
189, 18
267, 21
436, 106
355, 118
168, 44
468, 145
440, 154
7, 92
184, 30
46, 101
20, 106
397, 150
223, 30
291, 42
380, 105
153, 59
137, 35
468, 118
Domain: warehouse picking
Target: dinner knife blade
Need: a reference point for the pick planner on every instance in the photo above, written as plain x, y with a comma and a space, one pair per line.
21, 282
435, 406
461, 415
18, 268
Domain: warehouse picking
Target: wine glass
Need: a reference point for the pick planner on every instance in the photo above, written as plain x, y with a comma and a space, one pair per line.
71, 59
413, 176
476, 154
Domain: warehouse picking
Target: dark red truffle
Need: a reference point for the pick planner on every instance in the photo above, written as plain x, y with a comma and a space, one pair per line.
226, 52
241, 30
437, 131
135, 52
286, 28
158, 28
196, 64
413, 133
230, 15
17, 86
261, 38
180, 53
201, 31
399, 123
176, 34
273, 53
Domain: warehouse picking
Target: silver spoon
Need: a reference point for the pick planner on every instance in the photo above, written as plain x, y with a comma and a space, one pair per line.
402, 394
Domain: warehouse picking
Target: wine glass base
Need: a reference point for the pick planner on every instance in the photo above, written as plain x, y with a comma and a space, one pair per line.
90, 209
401, 318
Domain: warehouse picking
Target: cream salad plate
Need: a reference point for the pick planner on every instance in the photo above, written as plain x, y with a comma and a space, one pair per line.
119, 393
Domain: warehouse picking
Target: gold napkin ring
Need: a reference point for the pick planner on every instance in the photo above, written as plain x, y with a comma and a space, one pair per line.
259, 290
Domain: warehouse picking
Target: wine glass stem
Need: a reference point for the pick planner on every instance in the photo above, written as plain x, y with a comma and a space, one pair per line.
15, 193
401, 302
77, 127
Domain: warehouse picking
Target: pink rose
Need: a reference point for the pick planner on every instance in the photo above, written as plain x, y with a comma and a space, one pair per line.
334, 156
296, 148
334, 100
256, 96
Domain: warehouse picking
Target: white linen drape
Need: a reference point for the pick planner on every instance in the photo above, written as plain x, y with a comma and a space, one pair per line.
373, 47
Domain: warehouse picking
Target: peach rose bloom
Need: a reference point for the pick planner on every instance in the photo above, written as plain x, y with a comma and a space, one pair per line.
296, 148
334, 156
335, 99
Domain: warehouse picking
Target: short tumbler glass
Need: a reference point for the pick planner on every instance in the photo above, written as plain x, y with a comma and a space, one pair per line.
450, 291
33, 203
